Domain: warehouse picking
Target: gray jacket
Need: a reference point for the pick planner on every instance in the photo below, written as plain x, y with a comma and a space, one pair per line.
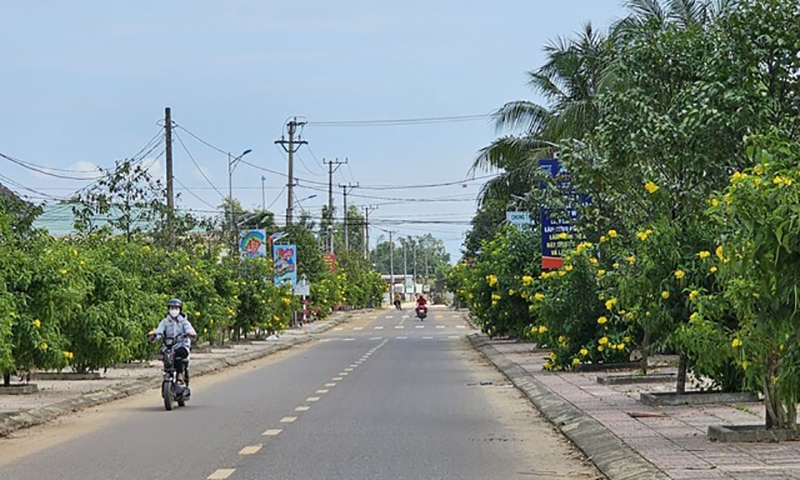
172, 327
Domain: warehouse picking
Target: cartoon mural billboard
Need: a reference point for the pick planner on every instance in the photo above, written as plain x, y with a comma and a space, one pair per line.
285, 259
253, 243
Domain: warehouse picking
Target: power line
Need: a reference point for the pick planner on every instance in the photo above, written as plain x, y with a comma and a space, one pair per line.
187, 189
400, 122
197, 165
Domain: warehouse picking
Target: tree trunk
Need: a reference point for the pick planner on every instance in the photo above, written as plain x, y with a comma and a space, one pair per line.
645, 351
682, 367
6, 379
779, 415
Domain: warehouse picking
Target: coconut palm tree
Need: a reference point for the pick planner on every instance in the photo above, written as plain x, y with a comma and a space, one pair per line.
569, 82
660, 14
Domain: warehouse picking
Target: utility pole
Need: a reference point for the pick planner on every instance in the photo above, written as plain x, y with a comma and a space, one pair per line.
414, 246
346, 189
263, 194
331, 216
367, 211
405, 263
391, 264
291, 146
170, 190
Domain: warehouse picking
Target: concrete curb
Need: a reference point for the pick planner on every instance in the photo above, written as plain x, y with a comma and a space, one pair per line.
611, 455
12, 422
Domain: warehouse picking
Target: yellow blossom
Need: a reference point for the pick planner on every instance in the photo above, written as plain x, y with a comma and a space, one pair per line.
562, 236
548, 365
713, 269
642, 236
679, 274
601, 273
694, 316
693, 294
777, 180
37, 323
552, 356
714, 202
593, 261
63, 271
568, 268
576, 361
562, 339
584, 352
561, 273
720, 252
665, 294
287, 301
759, 169
603, 341
631, 259
492, 280
626, 339
542, 329
615, 266
511, 293
603, 239
612, 234
787, 181
43, 346
527, 280
704, 254
205, 330
611, 303
276, 318
621, 346
602, 320
538, 297
651, 187
736, 343
600, 348
744, 365
736, 176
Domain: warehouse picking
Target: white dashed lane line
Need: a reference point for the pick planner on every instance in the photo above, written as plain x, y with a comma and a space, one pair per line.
272, 432
288, 419
221, 474
302, 408
312, 399
250, 450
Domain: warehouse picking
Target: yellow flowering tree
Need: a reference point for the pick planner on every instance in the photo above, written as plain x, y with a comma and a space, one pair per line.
760, 264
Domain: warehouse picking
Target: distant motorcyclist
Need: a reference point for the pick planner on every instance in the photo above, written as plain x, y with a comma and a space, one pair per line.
176, 325
397, 300
422, 304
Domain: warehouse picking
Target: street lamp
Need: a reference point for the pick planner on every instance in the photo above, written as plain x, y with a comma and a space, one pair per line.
232, 164
263, 194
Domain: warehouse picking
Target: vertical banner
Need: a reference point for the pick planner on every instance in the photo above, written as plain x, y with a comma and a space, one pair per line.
253, 243
557, 233
285, 258
330, 259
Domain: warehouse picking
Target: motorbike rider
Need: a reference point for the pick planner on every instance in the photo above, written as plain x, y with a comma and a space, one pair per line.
422, 304
174, 324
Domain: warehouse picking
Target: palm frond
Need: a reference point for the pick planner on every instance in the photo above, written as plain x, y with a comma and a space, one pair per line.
522, 115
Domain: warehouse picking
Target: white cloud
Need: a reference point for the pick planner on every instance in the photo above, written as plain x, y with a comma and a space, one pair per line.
84, 166
155, 169
199, 176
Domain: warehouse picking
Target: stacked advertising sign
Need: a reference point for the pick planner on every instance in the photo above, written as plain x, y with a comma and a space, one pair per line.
558, 230
253, 243
285, 259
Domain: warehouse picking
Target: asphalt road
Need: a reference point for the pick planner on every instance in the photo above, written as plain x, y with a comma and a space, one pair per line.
386, 397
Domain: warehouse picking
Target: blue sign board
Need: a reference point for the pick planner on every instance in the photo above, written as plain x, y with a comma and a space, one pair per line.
558, 232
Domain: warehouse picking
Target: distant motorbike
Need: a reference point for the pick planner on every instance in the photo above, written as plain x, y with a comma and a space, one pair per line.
421, 314
171, 390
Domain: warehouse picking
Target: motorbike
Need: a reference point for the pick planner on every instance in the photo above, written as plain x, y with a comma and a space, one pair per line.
171, 390
421, 314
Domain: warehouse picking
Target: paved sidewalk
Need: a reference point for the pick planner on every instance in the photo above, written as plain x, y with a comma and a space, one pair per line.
59, 397
671, 439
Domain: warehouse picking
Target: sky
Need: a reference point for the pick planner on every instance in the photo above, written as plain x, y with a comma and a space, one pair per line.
85, 84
